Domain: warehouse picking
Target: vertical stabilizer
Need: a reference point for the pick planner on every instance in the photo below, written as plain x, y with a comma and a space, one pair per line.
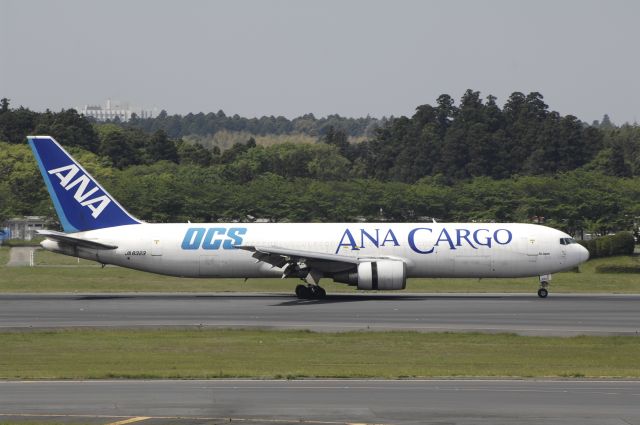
81, 203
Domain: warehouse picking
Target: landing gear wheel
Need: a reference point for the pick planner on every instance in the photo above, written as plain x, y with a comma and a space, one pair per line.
303, 292
314, 291
310, 292
544, 284
319, 292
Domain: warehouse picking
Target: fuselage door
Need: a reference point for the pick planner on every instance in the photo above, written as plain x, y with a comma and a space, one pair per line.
532, 249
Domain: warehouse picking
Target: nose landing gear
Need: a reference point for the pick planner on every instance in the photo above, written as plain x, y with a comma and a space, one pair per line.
544, 284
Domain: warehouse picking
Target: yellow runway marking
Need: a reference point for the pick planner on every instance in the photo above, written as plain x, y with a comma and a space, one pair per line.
131, 420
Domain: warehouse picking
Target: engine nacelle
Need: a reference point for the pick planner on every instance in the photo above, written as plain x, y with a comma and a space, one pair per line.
382, 275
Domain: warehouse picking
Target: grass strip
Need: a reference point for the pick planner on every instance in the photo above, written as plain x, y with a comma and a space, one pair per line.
161, 353
63, 274
4, 255
48, 258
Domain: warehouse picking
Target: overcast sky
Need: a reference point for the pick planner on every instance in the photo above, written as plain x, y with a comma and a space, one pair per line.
292, 57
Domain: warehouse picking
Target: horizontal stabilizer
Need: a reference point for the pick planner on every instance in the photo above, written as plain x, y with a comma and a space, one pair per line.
72, 240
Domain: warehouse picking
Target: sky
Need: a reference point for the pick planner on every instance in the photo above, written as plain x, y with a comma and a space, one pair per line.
291, 57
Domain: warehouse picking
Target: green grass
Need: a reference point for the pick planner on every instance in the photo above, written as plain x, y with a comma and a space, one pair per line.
23, 242
4, 255
48, 258
622, 264
97, 354
59, 273
116, 279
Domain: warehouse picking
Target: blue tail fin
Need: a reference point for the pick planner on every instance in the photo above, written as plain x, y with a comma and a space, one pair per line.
81, 203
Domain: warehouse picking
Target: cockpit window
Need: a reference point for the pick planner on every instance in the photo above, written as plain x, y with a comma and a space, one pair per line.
567, 241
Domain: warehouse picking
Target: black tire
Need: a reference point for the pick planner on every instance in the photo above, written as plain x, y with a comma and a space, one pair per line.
321, 292
307, 293
317, 292
304, 292
314, 291
542, 293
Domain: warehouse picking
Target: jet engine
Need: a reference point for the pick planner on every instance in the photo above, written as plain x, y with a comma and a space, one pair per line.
382, 275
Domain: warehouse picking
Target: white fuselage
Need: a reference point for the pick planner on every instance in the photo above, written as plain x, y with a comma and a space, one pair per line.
428, 249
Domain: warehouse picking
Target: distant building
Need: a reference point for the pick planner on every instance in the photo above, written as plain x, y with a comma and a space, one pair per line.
26, 227
115, 110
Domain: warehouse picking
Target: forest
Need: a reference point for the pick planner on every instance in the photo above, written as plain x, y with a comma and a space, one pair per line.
471, 160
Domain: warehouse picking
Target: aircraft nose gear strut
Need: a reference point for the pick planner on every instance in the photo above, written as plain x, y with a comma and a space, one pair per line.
544, 284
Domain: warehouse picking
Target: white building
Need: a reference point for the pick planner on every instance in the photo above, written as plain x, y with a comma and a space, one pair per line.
112, 110
26, 227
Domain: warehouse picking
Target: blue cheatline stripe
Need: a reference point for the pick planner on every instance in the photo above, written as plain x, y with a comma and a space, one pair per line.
68, 228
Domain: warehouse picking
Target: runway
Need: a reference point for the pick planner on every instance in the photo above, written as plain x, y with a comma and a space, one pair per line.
326, 402
526, 314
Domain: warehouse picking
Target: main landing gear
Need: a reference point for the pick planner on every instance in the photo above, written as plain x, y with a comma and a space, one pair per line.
544, 284
308, 292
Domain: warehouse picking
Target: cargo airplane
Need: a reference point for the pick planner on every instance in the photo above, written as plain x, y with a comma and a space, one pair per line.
369, 256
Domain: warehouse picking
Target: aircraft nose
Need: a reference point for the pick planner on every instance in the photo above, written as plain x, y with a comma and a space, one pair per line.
583, 254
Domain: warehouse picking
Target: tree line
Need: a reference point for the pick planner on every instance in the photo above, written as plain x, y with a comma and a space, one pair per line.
471, 161
201, 124
452, 142
578, 201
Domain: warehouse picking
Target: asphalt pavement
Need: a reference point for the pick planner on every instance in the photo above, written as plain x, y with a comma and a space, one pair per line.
324, 402
526, 314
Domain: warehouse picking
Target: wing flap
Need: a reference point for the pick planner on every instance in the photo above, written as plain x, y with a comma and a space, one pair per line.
281, 257
297, 254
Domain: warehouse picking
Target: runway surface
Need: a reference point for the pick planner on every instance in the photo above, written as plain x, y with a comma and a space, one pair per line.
525, 314
327, 401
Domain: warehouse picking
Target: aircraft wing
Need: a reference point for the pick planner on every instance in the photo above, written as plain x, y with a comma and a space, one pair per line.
279, 257
73, 240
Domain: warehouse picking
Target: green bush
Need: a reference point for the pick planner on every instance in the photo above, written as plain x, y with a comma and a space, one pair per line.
591, 247
606, 246
617, 268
